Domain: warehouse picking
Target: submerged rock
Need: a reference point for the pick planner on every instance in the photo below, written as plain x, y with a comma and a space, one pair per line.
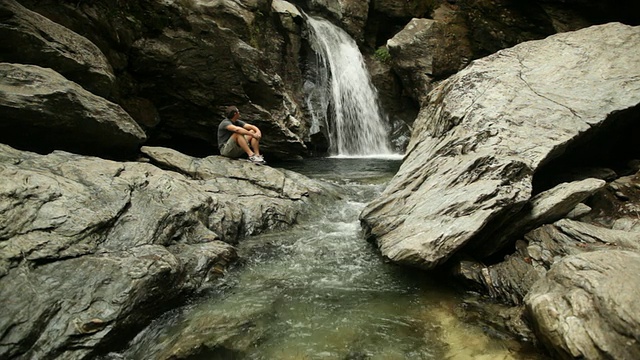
487, 129
91, 250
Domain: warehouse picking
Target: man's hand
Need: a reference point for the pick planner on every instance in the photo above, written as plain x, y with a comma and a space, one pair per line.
255, 133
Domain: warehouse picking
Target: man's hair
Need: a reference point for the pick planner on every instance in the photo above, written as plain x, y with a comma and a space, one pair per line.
231, 111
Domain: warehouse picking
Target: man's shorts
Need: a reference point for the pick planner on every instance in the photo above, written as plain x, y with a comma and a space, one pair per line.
231, 149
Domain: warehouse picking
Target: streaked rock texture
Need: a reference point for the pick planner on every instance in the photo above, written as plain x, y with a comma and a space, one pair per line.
585, 309
487, 129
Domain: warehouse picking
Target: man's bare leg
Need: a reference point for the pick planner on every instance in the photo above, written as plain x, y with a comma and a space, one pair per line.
255, 145
242, 142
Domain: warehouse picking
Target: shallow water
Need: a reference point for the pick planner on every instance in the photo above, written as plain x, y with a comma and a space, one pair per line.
320, 291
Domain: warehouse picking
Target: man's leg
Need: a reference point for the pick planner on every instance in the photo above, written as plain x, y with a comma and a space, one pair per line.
242, 142
255, 145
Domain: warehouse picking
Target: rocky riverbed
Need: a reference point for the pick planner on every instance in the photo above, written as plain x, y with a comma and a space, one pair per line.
520, 176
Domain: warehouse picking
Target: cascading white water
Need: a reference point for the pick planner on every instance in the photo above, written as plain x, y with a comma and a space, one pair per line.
341, 97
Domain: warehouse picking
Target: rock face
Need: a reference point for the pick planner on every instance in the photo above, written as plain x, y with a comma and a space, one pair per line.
180, 64
31, 38
544, 208
42, 110
466, 194
555, 282
584, 307
487, 129
425, 51
91, 250
220, 64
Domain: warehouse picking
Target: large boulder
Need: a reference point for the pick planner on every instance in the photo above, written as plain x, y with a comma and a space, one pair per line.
486, 130
426, 51
544, 208
608, 226
42, 110
92, 250
30, 38
585, 309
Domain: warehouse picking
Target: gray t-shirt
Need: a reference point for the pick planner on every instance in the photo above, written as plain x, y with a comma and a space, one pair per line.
224, 134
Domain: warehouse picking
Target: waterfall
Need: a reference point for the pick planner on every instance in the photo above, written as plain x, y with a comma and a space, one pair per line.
340, 95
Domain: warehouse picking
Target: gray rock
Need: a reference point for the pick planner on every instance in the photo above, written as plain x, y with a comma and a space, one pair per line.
508, 281
544, 208
578, 211
30, 38
627, 224
550, 243
585, 307
92, 249
412, 52
181, 63
218, 170
350, 14
287, 14
486, 130
43, 110
426, 51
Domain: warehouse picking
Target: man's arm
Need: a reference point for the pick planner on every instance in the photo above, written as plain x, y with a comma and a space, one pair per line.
255, 132
244, 130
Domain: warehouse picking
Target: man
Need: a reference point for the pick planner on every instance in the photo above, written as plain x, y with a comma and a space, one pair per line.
236, 137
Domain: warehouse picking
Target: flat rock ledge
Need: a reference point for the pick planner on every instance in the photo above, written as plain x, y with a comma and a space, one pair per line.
92, 250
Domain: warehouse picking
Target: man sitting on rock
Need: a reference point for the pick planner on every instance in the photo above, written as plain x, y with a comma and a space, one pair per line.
236, 137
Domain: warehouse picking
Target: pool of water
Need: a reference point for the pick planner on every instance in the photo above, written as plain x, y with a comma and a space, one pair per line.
320, 291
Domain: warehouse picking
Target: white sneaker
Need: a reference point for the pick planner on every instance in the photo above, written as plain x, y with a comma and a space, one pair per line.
256, 159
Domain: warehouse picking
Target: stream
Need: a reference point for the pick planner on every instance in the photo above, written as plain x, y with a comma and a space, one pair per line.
320, 291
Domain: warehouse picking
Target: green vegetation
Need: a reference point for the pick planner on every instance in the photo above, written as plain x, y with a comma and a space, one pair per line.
382, 55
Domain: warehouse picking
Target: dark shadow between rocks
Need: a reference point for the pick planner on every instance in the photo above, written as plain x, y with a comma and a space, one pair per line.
611, 146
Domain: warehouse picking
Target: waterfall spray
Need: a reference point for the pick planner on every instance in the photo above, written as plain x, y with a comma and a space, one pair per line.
341, 97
